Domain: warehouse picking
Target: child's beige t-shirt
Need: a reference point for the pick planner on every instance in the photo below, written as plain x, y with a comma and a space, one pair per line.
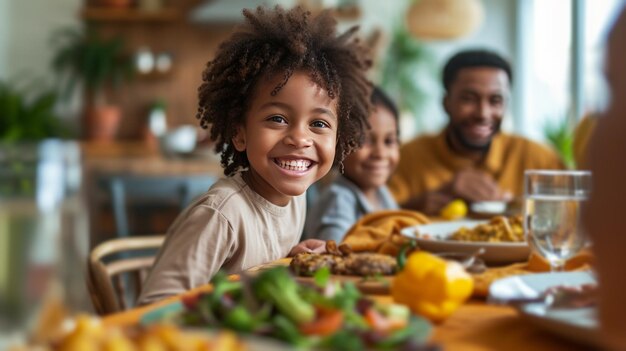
229, 227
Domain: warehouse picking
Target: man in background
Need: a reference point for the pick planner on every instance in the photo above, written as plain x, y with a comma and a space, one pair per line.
470, 159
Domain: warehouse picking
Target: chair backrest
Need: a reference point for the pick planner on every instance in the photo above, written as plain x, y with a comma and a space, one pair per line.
175, 190
117, 269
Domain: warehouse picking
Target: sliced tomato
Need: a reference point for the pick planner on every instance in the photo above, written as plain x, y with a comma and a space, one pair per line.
381, 323
191, 300
327, 322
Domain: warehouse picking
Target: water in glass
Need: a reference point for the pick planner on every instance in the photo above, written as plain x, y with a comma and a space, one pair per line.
43, 237
552, 209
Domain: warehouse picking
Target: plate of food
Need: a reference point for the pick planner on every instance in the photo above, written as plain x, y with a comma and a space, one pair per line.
370, 272
561, 302
501, 237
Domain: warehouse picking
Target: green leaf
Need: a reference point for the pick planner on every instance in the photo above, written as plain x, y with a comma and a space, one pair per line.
418, 330
344, 340
28, 113
402, 73
286, 330
321, 277
561, 136
86, 57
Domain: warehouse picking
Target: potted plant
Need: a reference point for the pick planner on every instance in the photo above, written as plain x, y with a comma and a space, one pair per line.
96, 63
406, 71
560, 134
28, 116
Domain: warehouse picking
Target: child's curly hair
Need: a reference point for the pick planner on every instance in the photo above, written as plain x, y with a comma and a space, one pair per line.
282, 42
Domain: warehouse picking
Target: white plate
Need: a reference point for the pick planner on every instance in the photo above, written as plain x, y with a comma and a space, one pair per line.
577, 324
495, 253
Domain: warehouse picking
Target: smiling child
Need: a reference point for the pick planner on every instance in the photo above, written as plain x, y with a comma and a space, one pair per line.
284, 98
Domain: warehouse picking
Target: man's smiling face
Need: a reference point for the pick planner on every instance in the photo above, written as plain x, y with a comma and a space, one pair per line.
475, 104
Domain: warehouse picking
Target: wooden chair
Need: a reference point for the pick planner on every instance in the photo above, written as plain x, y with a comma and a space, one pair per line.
117, 269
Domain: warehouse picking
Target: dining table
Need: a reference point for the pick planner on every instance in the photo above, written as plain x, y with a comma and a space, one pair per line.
476, 325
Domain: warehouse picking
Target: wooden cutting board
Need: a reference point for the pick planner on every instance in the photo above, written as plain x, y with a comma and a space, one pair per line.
367, 285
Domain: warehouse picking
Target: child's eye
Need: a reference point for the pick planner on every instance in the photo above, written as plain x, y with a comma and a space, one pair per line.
277, 119
320, 124
391, 141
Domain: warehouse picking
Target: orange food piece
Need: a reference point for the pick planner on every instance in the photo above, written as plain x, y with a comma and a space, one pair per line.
328, 321
381, 323
583, 259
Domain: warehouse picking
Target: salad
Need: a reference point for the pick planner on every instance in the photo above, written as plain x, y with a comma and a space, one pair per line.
326, 315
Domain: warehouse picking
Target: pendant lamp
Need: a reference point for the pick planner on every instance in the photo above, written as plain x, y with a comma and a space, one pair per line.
444, 19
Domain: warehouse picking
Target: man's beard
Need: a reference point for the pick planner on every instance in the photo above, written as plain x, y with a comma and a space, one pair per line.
457, 131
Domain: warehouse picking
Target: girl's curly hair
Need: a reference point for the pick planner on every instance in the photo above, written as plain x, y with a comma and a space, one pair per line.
281, 42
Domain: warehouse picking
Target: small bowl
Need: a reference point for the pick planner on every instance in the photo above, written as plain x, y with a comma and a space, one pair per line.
179, 141
489, 207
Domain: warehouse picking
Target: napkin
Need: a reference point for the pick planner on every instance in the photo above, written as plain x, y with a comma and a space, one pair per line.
535, 264
380, 231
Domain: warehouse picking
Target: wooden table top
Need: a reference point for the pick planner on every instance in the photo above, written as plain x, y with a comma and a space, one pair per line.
139, 158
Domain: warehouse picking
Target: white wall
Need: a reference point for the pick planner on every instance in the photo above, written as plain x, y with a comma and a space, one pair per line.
497, 32
4, 36
26, 27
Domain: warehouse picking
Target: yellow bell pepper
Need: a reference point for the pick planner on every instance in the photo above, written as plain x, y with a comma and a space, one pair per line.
431, 286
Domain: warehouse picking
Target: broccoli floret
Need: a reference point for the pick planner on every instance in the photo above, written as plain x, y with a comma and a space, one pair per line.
279, 288
224, 294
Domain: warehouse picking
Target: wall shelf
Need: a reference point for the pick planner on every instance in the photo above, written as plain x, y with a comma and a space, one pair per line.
165, 31
103, 14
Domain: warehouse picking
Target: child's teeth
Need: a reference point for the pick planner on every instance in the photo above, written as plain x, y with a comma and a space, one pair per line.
294, 165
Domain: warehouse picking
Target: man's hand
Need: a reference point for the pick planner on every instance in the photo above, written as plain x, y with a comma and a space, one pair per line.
309, 245
470, 185
429, 203
474, 185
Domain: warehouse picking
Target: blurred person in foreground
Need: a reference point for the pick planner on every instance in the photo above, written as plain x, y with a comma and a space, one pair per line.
470, 159
604, 218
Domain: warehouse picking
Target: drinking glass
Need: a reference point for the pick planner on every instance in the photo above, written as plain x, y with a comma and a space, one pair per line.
43, 238
552, 209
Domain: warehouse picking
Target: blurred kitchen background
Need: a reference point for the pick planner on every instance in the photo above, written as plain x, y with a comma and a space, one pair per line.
120, 77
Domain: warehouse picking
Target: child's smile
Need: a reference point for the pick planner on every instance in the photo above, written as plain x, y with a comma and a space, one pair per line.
289, 138
294, 165
370, 166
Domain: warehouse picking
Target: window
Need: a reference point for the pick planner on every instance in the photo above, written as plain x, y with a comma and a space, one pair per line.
559, 60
